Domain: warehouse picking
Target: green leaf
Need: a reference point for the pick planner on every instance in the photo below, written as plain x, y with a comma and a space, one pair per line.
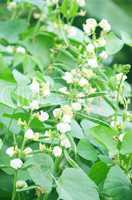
113, 44
7, 88
126, 38
86, 150
40, 169
39, 47
94, 118
86, 125
6, 183
104, 135
74, 184
67, 59
126, 146
5, 72
53, 100
98, 172
117, 185
69, 8
1, 143
76, 130
10, 30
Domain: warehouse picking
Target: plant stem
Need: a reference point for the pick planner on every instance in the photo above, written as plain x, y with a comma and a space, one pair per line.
14, 186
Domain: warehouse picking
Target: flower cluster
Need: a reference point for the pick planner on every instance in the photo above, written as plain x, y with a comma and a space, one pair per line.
91, 25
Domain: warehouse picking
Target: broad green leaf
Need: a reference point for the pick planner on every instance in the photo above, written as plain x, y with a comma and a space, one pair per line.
105, 135
11, 29
39, 47
6, 184
40, 169
86, 125
76, 130
40, 177
20, 78
102, 108
114, 44
126, 146
53, 100
86, 150
67, 59
117, 186
126, 38
10, 125
74, 184
7, 88
98, 172
5, 72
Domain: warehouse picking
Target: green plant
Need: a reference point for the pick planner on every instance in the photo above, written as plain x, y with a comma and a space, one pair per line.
65, 123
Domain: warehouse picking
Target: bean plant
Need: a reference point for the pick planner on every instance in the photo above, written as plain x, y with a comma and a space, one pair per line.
65, 116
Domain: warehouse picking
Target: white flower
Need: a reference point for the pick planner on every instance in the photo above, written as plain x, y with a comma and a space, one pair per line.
104, 24
66, 118
92, 62
42, 147
45, 89
83, 82
63, 127
87, 29
21, 50
27, 151
90, 48
63, 90
36, 15
67, 110
103, 55
71, 31
11, 5
121, 137
36, 136
65, 142
34, 105
68, 77
90, 26
9, 49
121, 76
10, 151
35, 86
81, 3
57, 113
21, 184
29, 134
76, 106
80, 95
16, 163
57, 151
74, 72
91, 22
43, 116
88, 73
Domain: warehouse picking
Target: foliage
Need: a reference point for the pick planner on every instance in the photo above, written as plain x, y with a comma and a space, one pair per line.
65, 122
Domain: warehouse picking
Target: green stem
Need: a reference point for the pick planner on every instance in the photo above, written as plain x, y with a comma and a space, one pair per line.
14, 186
